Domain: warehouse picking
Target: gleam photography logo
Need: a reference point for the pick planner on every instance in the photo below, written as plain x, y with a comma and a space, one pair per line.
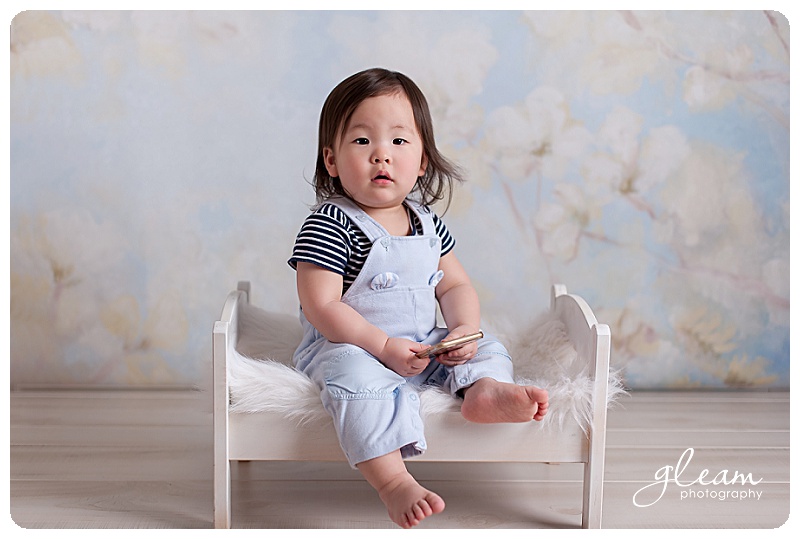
724, 485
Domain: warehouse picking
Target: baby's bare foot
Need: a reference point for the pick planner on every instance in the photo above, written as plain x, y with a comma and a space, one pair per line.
490, 401
408, 502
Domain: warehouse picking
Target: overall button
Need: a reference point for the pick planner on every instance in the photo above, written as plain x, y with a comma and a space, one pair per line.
384, 280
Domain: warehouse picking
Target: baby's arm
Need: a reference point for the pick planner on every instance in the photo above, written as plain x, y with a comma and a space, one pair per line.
460, 308
320, 293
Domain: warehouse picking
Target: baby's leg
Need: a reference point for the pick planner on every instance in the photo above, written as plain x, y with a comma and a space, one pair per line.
406, 500
490, 401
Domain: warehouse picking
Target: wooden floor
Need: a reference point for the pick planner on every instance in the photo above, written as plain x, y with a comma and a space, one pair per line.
143, 459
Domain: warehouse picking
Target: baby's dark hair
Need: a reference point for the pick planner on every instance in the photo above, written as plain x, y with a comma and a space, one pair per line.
437, 182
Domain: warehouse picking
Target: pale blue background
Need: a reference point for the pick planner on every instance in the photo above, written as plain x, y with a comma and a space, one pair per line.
640, 158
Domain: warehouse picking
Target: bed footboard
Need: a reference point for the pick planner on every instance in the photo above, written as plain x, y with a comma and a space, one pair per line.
593, 344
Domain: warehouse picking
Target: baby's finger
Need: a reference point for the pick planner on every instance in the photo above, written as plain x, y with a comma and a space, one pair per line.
448, 361
463, 353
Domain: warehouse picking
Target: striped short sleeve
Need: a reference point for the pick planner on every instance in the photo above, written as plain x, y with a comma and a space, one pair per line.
324, 240
448, 242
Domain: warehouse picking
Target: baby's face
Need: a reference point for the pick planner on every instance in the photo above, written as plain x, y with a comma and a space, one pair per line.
379, 157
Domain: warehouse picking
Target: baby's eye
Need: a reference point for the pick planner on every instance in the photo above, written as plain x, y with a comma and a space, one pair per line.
361, 140
399, 141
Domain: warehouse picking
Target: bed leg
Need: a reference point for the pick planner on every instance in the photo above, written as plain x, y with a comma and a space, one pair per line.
592, 513
222, 495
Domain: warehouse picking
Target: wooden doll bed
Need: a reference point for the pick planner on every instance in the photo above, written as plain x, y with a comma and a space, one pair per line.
299, 429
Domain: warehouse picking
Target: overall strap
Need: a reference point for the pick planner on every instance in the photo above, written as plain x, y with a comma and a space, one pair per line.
374, 230
371, 228
425, 216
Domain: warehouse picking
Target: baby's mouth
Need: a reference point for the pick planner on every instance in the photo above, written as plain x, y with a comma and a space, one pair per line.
382, 178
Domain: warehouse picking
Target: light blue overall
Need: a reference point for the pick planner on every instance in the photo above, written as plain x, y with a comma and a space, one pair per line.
375, 410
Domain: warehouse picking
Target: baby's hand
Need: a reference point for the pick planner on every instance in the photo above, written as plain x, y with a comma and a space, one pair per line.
399, 355
459, 355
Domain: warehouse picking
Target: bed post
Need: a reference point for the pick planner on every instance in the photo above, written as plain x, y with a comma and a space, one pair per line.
594, 470
222, 467
244, 286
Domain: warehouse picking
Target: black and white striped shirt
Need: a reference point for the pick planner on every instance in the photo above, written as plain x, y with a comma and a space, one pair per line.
330, 239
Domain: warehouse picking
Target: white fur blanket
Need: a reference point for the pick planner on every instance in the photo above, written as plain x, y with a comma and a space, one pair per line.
261, 377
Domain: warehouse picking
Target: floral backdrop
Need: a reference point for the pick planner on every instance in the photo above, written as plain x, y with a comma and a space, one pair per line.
641, 158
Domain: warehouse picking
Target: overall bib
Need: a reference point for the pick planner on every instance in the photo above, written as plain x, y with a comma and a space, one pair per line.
376, 411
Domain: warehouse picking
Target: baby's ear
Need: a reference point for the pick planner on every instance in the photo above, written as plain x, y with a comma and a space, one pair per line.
330, 162
423, 166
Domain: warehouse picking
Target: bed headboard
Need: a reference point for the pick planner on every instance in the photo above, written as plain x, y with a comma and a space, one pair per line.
226, 333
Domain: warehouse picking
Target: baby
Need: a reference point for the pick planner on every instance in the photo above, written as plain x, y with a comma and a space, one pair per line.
373, 261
